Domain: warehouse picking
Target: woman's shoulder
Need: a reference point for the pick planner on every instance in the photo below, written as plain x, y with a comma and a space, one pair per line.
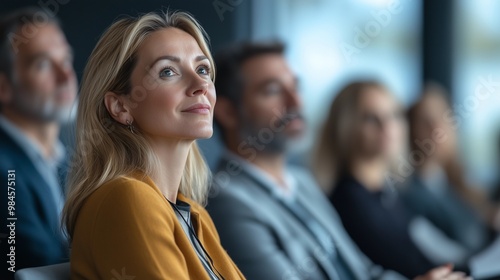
127, 188
123, 211
126, 194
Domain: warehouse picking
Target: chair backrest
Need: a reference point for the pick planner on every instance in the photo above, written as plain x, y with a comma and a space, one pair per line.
50, 272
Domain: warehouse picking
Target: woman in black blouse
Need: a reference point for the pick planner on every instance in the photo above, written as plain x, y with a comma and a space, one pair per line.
357, 164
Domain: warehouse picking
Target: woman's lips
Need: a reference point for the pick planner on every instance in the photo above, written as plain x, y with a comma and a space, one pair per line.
198, 109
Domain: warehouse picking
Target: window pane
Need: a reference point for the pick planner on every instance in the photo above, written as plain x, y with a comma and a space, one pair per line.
477, 84
331, 42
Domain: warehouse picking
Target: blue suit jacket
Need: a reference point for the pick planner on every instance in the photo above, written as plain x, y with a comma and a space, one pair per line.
38, 240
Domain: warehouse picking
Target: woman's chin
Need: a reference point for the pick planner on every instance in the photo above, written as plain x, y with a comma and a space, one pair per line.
202, 134
206, 136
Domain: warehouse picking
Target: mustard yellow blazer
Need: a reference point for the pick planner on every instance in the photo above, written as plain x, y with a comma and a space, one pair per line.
127, 230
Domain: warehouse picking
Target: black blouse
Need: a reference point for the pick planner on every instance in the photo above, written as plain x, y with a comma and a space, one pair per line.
378, 223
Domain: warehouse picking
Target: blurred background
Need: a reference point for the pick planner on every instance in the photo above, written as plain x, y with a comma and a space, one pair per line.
403, 43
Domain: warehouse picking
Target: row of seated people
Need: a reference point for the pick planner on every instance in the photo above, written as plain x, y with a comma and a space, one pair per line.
137, 181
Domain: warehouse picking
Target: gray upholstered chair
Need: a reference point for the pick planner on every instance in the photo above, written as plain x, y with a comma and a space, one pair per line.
49, 272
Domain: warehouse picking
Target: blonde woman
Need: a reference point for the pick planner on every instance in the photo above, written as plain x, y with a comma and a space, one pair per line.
138, 179
339, 141
363, 135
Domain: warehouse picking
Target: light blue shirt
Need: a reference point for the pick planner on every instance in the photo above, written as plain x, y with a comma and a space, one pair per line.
47, 167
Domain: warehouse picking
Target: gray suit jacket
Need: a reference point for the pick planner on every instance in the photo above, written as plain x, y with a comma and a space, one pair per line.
265, 239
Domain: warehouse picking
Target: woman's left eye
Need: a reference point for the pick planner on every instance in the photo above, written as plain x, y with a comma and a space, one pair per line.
204, 70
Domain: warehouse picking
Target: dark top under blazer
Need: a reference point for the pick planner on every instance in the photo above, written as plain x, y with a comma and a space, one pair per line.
380, 231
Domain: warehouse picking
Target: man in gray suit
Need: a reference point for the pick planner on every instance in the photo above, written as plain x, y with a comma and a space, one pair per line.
272, 218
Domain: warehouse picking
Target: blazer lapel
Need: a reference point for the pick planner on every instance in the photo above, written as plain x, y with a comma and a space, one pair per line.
309, 243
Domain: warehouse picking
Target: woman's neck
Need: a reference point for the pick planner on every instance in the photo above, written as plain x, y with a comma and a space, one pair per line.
172, 157
370, 173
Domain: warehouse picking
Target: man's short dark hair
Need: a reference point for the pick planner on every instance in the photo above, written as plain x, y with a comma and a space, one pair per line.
229, 81
10, 38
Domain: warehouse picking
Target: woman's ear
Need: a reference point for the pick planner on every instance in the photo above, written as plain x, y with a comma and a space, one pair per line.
117, 108
225, 113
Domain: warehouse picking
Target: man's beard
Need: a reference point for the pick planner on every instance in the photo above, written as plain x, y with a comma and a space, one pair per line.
44, 110
273, 138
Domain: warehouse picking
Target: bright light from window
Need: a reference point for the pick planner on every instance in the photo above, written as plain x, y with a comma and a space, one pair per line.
376, 3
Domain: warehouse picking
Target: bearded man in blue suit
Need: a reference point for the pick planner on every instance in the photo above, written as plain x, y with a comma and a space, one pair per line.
38, 88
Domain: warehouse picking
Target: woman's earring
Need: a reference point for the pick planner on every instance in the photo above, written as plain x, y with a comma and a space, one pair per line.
130, 126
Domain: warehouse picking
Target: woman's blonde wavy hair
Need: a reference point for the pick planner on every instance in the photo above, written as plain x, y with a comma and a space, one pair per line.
106, 149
